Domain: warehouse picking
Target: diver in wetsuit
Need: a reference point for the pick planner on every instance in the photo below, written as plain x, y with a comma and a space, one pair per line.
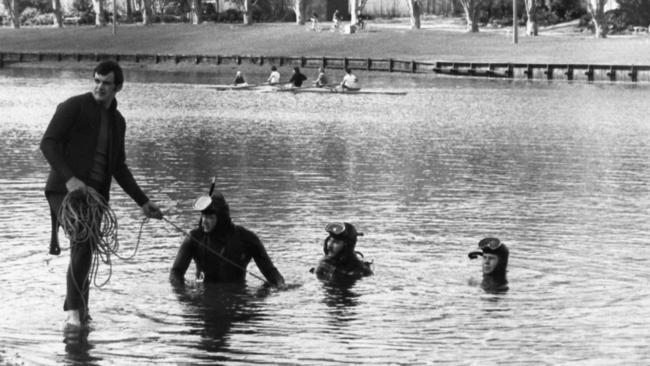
495, 264
221, 249
341, 261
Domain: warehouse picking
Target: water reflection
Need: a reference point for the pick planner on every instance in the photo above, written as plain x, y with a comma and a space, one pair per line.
77, 348
213, 309
341, 301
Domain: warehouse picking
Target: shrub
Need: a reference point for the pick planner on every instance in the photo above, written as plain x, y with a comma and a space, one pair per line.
41, 19
231, 16
636, 11
28, 14
618, 21
568, 9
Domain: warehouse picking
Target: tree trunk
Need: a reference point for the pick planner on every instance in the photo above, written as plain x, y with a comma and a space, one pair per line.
129, 11
415, 10
195, 11
248, 19
471, 8
58, 15
147, 16
98, 7
10, 8
597, 10
532, 29
298, 7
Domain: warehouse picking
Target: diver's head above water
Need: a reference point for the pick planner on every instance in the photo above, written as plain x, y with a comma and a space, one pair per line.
341, 241
215, 212
495, 257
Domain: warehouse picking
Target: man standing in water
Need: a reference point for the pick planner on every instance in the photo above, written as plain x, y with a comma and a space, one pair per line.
221, 249
495, 264
84, 145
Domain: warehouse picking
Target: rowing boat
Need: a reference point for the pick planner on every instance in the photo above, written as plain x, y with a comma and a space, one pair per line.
340, 91
222, 87
281, 88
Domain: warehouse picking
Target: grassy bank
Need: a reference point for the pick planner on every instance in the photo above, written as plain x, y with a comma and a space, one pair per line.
439, 40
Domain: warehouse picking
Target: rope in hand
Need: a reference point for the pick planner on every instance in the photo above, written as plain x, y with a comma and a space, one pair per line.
87, 218
215, 252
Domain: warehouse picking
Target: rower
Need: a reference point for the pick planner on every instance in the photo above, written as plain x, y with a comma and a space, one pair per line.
274, 78
321, 79
239, 79
350, 81
297, 78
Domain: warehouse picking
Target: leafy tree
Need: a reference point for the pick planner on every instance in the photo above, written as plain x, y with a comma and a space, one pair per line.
637, 11
472, 9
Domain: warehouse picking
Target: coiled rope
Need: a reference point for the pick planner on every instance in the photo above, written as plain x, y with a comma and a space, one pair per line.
87, 219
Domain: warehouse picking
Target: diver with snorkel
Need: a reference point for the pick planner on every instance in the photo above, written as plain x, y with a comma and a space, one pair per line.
341, 261
221, 249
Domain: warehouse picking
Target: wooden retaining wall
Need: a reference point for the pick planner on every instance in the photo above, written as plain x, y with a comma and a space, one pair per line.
586, 72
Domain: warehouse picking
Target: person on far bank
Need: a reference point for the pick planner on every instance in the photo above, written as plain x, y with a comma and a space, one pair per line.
495, 264
84, 146
297, 78
350, 82
321, 79
336, 19
314, 22
220, 249
274, 78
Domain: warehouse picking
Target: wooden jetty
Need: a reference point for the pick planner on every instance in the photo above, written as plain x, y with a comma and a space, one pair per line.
526, 71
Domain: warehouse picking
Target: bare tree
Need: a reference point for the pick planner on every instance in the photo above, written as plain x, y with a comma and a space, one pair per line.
299, 9
147, 12
597, 10
248, 18
532, 29
129, 11
471, 8
98, 6
354, 11
195, 11
58, 14
10, 8
415, 9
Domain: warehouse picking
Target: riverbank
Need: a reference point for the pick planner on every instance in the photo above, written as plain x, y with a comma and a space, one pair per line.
439, 40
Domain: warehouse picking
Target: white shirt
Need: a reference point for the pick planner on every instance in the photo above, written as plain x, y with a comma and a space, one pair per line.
274, 78
350, 81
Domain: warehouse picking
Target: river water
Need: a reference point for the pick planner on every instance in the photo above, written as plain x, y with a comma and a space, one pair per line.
558, 171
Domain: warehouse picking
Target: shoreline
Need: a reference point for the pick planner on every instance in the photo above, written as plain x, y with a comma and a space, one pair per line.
224, 66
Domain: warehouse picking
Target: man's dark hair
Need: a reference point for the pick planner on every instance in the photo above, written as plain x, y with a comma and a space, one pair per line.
106, 67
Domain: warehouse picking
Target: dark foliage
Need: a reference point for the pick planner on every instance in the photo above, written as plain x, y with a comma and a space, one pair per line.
637, 12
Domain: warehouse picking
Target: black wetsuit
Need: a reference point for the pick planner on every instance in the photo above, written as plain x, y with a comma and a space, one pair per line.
233, 242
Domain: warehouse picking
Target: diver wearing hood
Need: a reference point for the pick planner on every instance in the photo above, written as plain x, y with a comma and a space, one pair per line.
217, 238
495, 264
341, 261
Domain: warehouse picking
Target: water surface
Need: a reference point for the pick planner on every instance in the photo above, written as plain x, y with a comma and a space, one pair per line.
558, 171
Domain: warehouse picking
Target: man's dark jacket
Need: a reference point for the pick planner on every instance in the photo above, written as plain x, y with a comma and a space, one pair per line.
70, 142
